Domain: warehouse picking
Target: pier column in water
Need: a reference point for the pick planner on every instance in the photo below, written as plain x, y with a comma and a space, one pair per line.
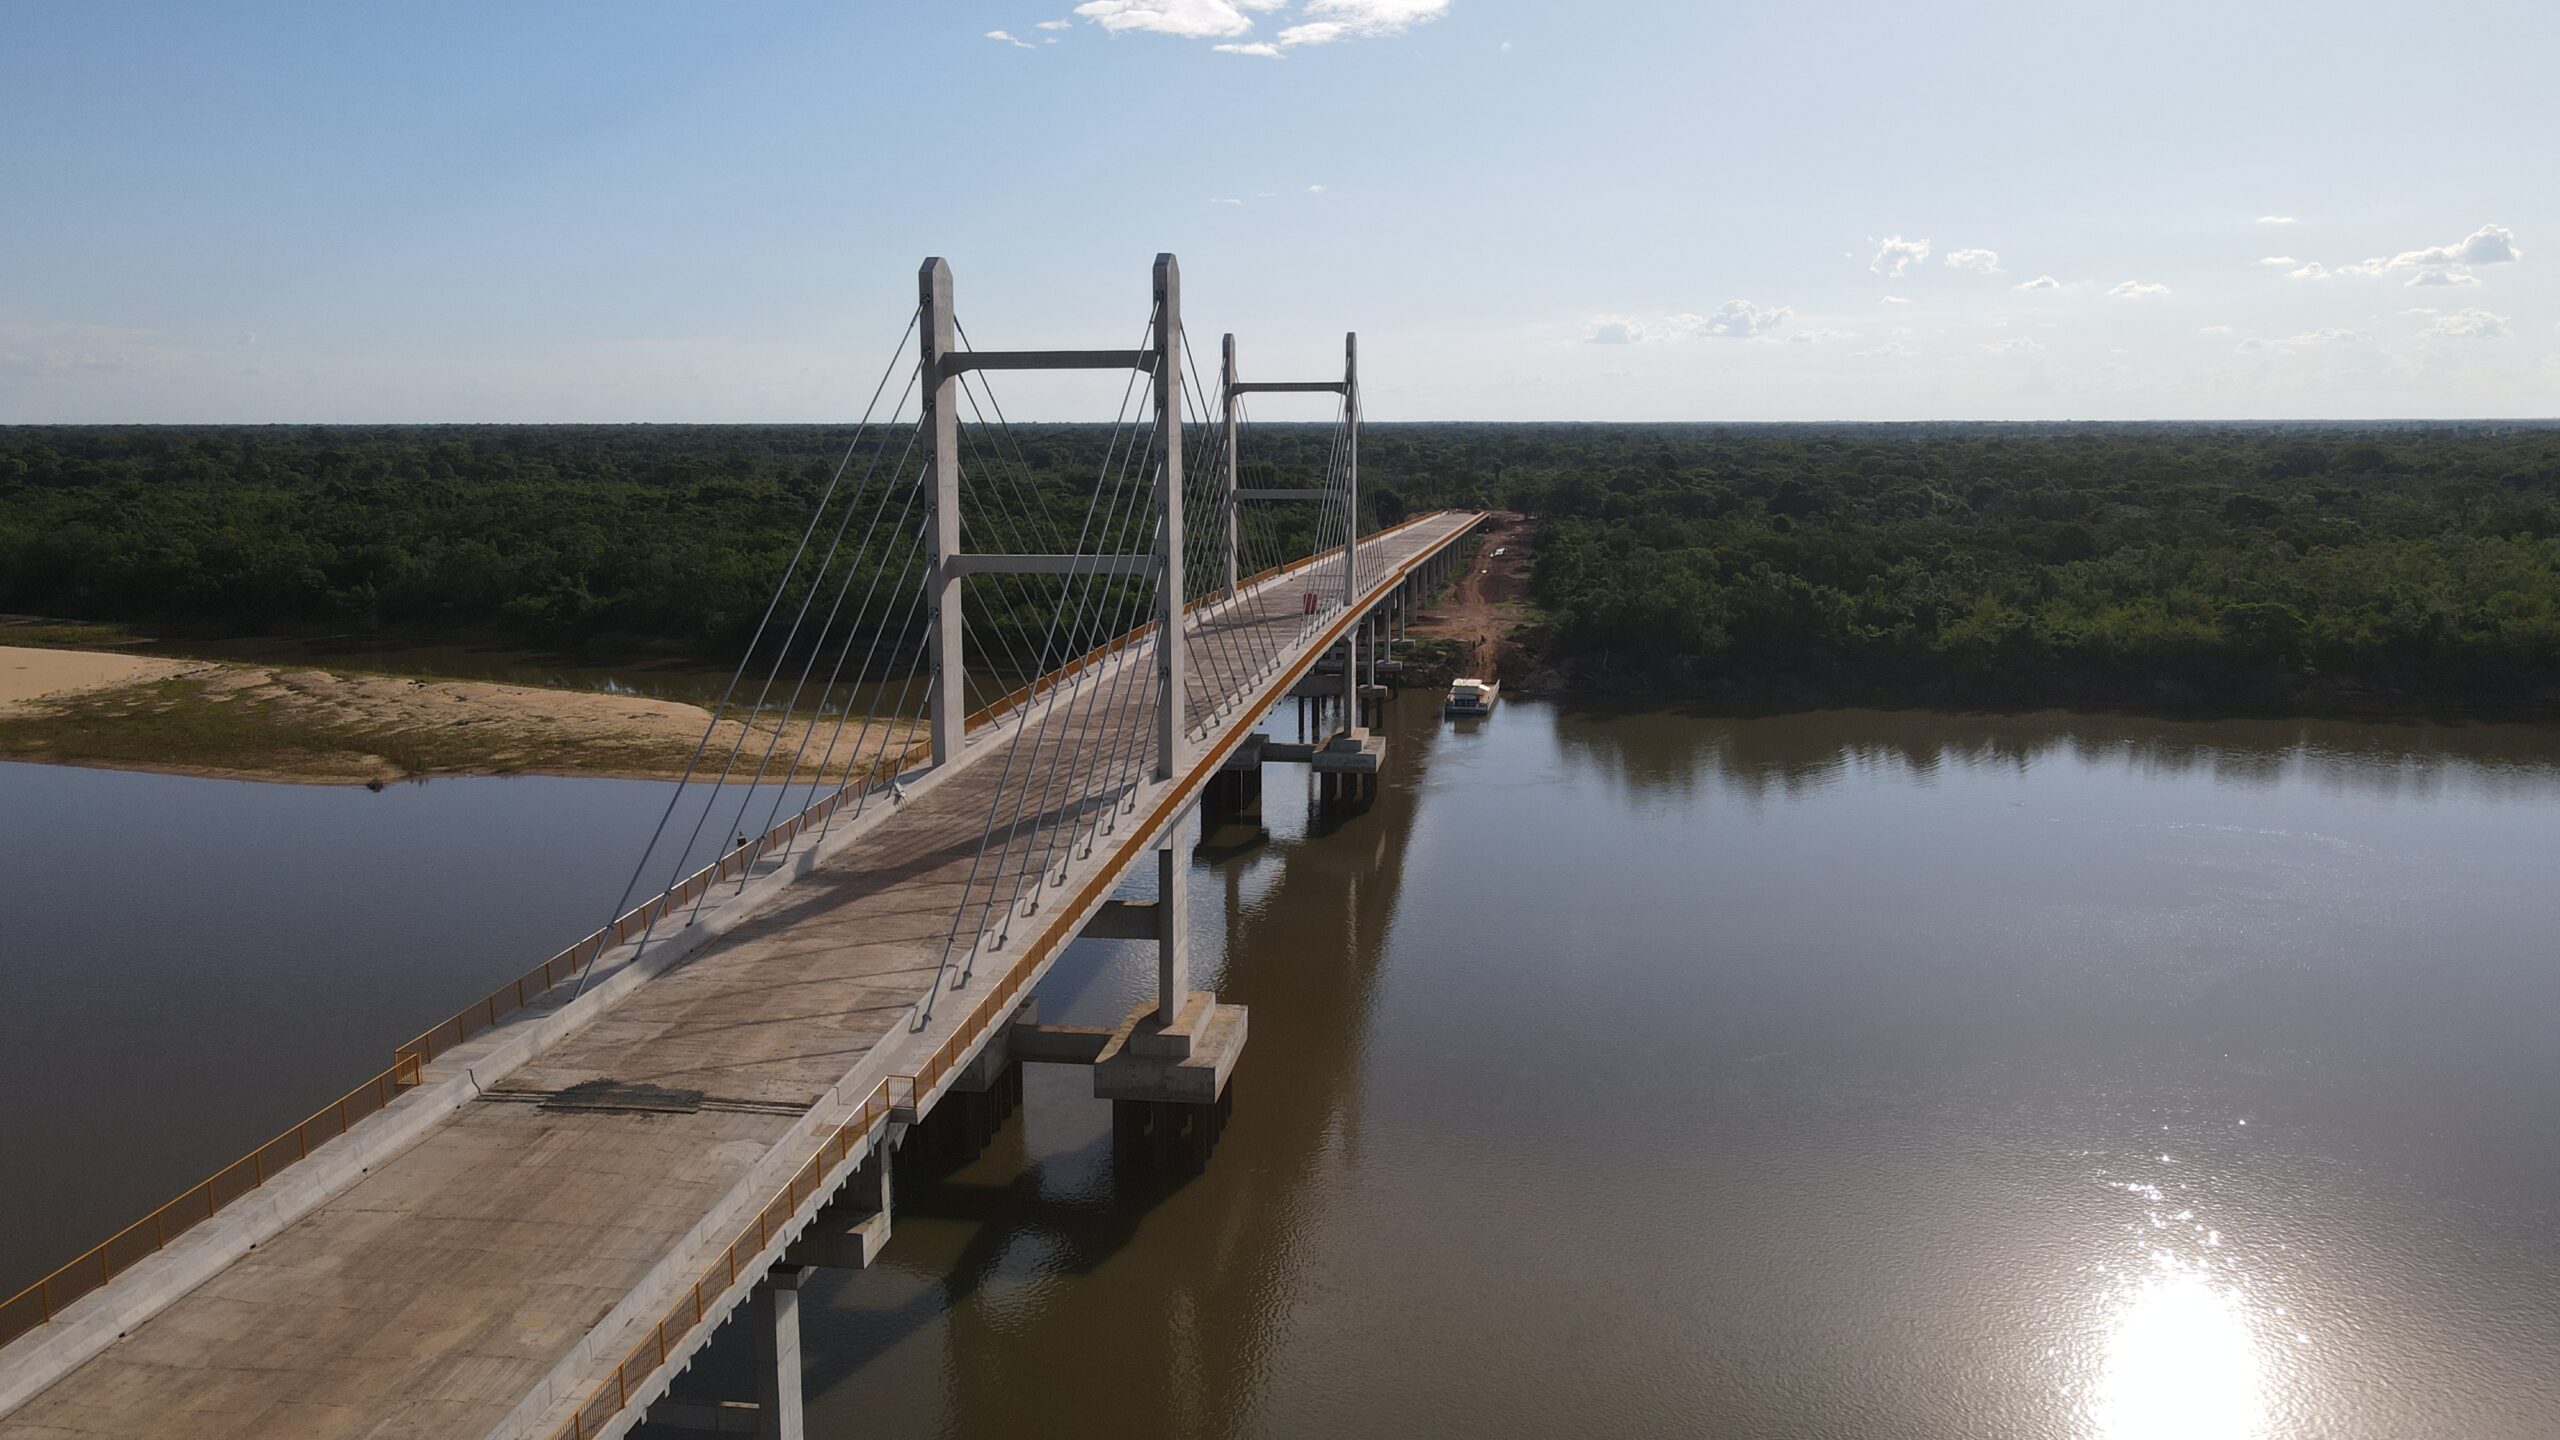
776, 1318
1173, 931
1165, 1069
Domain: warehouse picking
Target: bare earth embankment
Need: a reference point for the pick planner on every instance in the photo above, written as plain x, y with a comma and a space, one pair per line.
1475, 623
263, 722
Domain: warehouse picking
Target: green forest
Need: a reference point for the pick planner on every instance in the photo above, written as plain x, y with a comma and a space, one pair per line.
2260, 567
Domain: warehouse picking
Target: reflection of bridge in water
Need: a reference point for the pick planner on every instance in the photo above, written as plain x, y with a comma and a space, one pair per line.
541, 1213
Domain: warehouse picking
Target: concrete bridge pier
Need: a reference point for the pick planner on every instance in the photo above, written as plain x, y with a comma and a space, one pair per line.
772, 1317
845, 1235
1166, 1069
775, 1313
981, 1098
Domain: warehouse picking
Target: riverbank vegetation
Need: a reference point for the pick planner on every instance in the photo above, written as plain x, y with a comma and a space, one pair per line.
2268, 567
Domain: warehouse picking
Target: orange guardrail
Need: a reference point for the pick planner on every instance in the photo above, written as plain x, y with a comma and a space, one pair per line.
119, 1252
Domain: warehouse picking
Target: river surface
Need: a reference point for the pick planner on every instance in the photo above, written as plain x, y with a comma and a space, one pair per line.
1830, 1075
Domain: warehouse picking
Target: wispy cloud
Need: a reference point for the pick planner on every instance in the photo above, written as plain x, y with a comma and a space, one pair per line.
1980, 262
2276, 220
1820, 337
2137, 290
1313, 22
1734, 320
1889, 350
2488, 245
1225, 200
2290, 344
1743, 319
1315, 189
1895, 256
2436, 264
2468, 324
1330, 20
1186, 19
2041, 282
1054, 25
1008, 39
2014, 345
1895, 300
2280, 262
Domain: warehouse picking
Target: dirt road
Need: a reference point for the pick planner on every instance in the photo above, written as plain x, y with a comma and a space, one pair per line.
1488, 602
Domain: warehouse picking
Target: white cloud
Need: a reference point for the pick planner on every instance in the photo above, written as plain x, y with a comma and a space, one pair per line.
1735, 319
2468, 324
1008, 39
1331, 20
2309, 339
2136, 290
1319, 22
1225, 200
2279, 261
2015, 345
1980, 262
1748, 321
2041, 282
1889, 350
1819, 337
2313, 271
2366, 268
2488, 245
1187, 19
1315, 189
2442, 277
2275, 220
1053, 25
1895, 257
1506, 47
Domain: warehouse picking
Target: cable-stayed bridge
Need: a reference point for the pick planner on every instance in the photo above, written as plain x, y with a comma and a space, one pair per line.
978, 700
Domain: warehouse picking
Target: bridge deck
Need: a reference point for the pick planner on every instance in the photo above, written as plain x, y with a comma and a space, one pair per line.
434, 1294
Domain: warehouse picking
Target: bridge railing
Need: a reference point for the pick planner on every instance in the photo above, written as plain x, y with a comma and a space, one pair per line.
119, 1252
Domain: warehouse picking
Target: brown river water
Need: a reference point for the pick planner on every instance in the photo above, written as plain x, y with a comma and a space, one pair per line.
1824, 1075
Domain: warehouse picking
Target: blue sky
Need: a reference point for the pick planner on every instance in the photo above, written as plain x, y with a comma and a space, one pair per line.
1622, 211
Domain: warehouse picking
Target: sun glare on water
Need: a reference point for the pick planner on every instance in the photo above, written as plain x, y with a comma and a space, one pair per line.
2179, 1362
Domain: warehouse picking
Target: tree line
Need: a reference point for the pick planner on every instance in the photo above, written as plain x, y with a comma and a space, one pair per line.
2251, 566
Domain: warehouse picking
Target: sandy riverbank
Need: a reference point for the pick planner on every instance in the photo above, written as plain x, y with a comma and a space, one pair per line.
333, 727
